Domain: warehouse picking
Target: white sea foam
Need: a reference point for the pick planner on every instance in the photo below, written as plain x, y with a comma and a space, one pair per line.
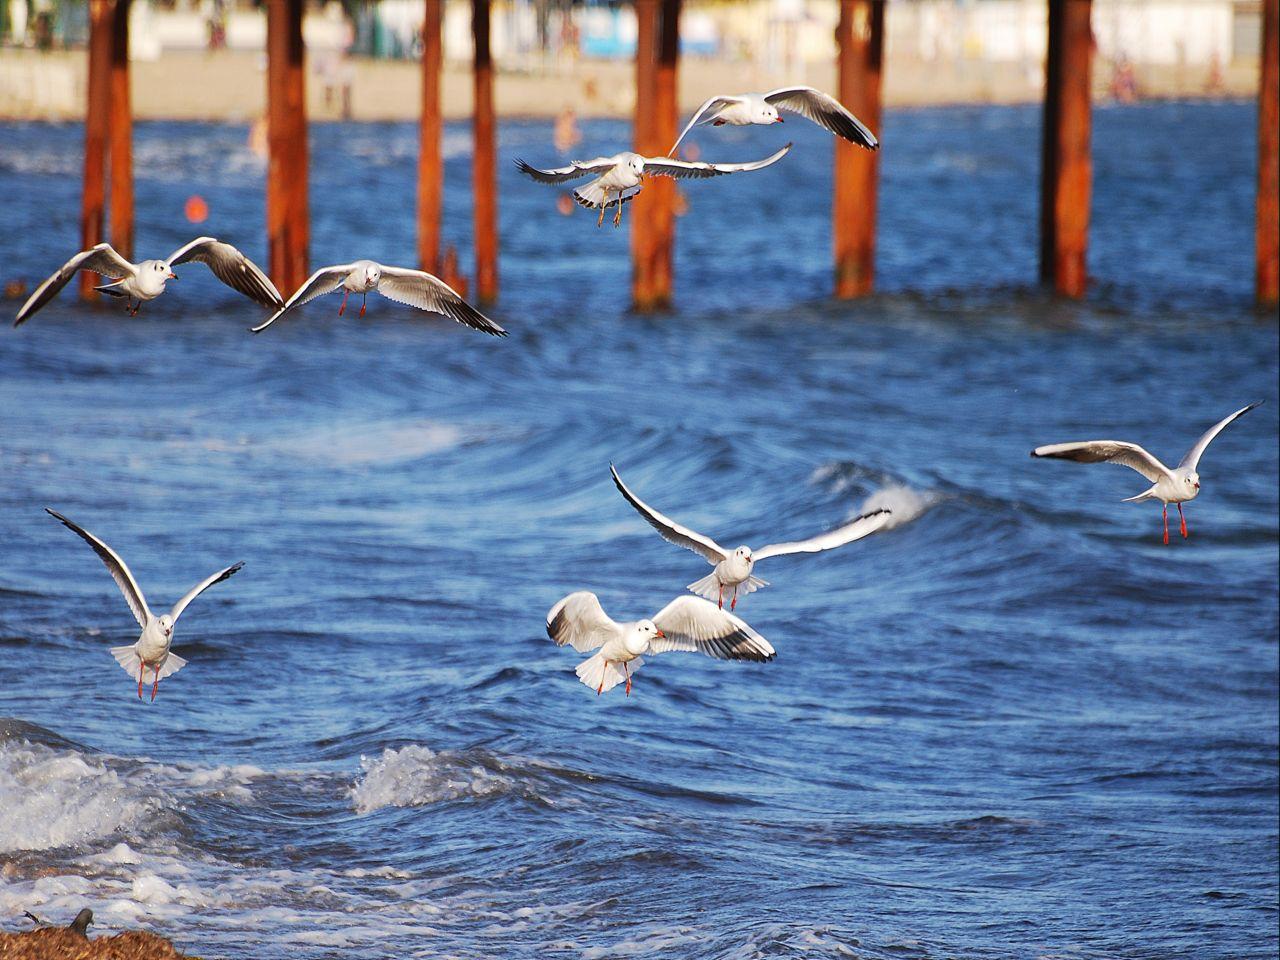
903, 503
414, 776
56, 798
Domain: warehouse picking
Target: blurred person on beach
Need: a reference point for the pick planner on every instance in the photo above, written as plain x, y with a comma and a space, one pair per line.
566, 135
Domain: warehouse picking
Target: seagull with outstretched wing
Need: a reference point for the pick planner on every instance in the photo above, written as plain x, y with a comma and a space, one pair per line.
415, 288
146, 280
734, 568
618, 178
152, 651
686, 623
1168, 485
743, 109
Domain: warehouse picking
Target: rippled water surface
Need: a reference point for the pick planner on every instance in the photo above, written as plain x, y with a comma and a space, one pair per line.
1015, 725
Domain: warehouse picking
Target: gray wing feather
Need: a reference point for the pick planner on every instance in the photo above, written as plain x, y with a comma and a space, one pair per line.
715, 103
826, 111
101, 259
671, 531
201, 587
115, 566
1107, 451
325, 280
853, 530
695, 625
417, 288
1192, 459
689, 170
580, 621
231, 267
574, 171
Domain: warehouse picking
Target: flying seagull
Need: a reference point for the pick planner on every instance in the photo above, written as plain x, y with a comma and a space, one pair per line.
151, 651
686, 623
617, 178
1177, 485
762, 108
146, 280
417, 288
733, 568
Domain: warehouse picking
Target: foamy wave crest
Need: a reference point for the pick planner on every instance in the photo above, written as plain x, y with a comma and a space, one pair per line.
55, 798
902, 502
414, 776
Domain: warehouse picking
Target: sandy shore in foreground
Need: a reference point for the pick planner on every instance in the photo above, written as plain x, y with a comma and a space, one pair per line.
230, 86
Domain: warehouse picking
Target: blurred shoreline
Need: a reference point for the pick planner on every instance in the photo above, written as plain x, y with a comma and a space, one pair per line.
230, 85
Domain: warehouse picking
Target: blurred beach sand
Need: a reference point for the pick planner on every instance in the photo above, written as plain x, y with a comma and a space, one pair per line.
230, 85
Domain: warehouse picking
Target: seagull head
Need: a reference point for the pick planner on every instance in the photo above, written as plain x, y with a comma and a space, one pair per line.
372, 274
743, 553
153, 274
766, 112
636, 163
645, 631
166, 625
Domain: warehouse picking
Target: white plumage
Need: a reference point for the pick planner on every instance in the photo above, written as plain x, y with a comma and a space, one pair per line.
415, 288
146, 280
734, 568
1168, 485
618, 178
686, 624
762, 108
151, 651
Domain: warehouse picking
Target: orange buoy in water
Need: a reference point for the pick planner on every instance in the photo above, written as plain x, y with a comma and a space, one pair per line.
196, 209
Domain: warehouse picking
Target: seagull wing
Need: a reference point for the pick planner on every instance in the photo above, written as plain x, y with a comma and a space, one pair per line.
1111, 451
671, 531
851, 531
101, 259
119, 571
1192, 459
689, 170
580, 621
824, 110
420, 289
201, 587
699, 626
231, 267
715, 104
325, 280
574, 171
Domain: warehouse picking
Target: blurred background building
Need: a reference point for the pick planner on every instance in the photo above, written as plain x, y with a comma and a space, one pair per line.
204, 58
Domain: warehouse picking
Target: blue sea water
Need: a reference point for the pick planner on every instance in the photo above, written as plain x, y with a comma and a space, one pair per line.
1015, 725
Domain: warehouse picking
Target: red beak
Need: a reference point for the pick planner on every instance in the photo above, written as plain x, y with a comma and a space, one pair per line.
779, 120
661, 634
172, 276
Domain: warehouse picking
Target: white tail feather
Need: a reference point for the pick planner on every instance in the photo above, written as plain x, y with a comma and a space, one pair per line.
601, 677
709, 587
1148, 494
128, 658
595, 196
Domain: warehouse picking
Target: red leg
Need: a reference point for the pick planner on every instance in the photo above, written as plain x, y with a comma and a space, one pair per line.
720, 599
600, 689
1166, 524
142, 668
342, 309
734, 602
362, 303
155, 686
1185, 534
627, 669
